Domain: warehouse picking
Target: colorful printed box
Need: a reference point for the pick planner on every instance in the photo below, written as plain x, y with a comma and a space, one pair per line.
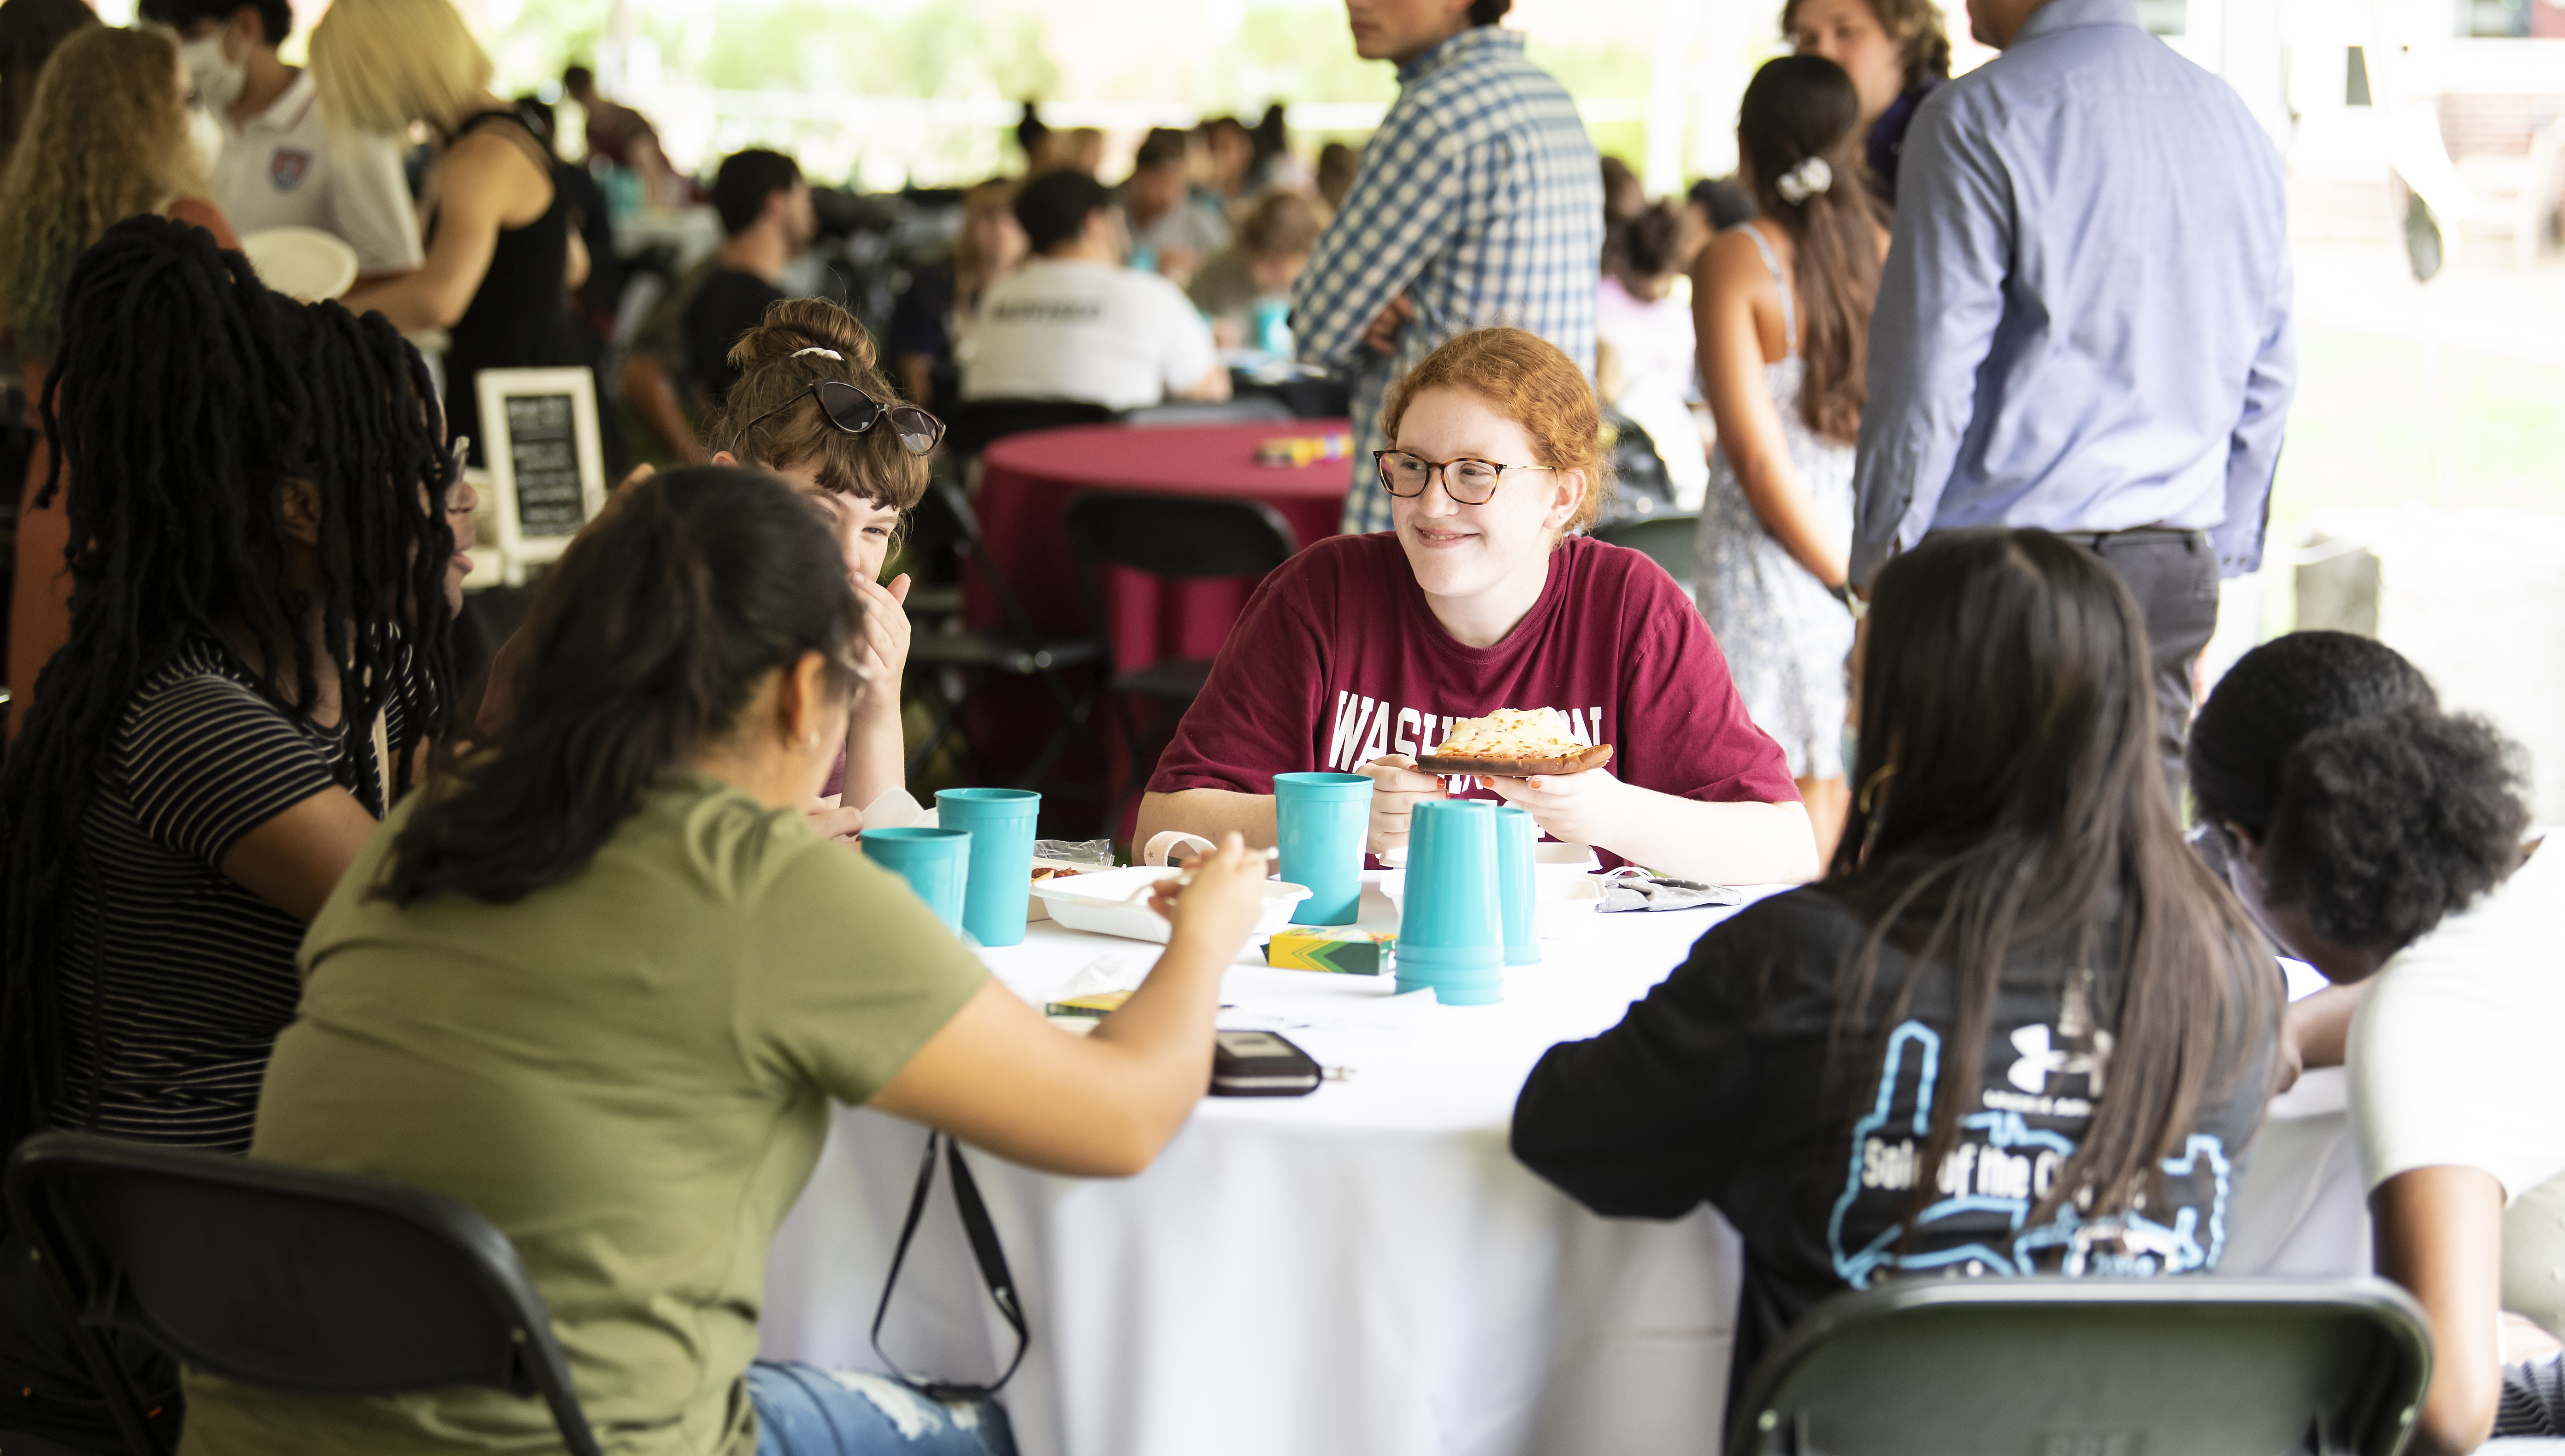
1343, 951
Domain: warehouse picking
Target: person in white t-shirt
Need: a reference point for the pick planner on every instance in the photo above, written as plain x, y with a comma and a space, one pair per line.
279, 165
1074, 324
2379, 840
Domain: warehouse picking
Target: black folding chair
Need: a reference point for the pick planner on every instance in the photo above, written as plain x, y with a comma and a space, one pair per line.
1667, 539
2093, 1367
1641, 485
1176, 538
282, 1278
954, 659
977, 423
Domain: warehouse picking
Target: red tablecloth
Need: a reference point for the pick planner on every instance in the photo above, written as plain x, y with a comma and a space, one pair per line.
1026, 486
1027, 481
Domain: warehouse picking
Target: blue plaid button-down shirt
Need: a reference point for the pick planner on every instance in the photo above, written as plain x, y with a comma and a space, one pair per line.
1481, 199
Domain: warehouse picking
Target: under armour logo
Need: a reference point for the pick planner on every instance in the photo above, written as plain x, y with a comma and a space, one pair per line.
2039, 1060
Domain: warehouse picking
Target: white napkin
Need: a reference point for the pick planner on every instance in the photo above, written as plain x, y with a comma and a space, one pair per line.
897, 811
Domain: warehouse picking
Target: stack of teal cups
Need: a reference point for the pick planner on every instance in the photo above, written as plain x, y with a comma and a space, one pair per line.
1450, 937
935, 863
1517, 889
1000, 823
1322, 821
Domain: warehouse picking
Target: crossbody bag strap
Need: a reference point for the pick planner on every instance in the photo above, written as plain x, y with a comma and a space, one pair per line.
985, 1249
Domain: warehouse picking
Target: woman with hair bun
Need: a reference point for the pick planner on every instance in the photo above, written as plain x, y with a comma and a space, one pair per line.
1360, 652
2379, 839
1781, 310
813, 405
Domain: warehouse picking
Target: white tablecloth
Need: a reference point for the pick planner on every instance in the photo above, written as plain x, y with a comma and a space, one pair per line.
1364, 1270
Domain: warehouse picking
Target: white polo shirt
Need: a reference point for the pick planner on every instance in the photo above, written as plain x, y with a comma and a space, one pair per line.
283, 168
1066, 329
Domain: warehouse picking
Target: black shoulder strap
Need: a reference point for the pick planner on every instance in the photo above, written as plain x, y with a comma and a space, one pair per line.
985, 1248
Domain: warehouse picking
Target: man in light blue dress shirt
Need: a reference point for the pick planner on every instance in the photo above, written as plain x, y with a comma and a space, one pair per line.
1479, 203
2084, 321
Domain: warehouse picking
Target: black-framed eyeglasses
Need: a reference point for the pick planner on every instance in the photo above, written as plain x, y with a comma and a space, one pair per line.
1468, 482
852, 410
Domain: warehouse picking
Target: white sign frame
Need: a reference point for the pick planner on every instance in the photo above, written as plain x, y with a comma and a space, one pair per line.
493, 388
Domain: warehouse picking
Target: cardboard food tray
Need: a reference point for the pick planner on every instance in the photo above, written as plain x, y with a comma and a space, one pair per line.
1035, 909
1518, 768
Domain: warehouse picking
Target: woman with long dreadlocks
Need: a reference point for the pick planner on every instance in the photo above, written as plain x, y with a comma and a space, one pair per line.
258, 649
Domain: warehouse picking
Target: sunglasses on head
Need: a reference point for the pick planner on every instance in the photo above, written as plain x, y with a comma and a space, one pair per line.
853, 411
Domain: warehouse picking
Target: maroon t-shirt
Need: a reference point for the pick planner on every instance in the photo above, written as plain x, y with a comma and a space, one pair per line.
1339, 660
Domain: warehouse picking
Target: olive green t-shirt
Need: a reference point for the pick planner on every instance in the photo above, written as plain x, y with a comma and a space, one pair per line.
629, 1072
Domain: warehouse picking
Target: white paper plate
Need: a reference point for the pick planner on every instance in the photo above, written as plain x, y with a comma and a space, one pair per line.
301, 262
1097, 903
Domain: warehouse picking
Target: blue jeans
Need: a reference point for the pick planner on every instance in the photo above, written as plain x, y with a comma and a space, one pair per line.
802, 1410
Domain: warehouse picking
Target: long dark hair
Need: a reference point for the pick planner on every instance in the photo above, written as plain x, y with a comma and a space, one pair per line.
1797, 108
646, 644
2017, 808
186, 395
2380, 813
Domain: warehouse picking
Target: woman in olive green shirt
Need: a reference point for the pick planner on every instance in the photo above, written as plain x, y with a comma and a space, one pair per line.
604, 984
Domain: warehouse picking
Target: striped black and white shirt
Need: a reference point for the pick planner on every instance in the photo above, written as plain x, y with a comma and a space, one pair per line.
189, 976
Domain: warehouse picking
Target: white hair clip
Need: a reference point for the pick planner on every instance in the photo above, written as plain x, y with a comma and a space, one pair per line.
833, 353
1804, 181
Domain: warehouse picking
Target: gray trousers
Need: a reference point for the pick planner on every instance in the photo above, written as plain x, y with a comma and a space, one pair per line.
2173, 576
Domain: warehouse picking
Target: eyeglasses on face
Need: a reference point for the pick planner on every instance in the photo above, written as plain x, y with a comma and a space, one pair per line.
1467, 482
853, 411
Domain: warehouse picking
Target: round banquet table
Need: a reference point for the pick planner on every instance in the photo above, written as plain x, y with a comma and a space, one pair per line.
1027, 482
1365, 1271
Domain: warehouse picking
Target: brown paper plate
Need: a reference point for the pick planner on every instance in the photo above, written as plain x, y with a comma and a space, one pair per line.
1518, 768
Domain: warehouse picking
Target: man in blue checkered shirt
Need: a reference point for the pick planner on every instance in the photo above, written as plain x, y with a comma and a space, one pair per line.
1479, 203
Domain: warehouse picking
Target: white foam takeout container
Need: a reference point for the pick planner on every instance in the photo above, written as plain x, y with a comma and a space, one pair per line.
1564, 892
1102, 901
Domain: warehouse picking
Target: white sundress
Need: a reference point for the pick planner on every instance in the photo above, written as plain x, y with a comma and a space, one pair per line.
1786, 635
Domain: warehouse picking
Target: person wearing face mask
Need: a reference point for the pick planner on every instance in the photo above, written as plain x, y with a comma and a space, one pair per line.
1360, 652
279, 165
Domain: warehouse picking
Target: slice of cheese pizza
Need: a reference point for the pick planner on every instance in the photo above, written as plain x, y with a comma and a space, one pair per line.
1513, 743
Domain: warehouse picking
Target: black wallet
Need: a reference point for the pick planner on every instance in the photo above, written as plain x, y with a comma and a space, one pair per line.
1260, 1064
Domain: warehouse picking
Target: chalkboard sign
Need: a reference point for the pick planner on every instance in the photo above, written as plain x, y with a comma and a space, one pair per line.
542, 448
547, 468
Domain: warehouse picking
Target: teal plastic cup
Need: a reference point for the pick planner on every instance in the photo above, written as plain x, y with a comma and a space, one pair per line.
935, 863
1449, 936
1518, 890
1323, 821
1001, 824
